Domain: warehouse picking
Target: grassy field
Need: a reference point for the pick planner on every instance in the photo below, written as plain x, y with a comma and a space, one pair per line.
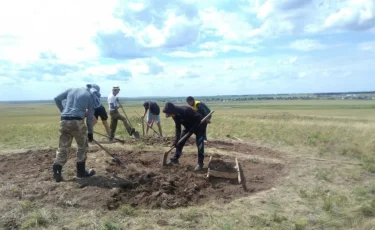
329, 145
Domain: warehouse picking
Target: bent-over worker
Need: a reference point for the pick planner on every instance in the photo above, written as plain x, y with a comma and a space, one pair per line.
153, 115
186, 116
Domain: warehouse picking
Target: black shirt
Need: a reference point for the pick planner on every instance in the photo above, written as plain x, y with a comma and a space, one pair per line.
154, 108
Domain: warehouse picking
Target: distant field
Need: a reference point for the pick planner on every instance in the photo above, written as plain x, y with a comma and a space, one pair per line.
317, 137
43, 120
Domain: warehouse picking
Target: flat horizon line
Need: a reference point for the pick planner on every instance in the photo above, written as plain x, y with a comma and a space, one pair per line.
222, 95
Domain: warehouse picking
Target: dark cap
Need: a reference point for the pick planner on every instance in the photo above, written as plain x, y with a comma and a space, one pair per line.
189, 98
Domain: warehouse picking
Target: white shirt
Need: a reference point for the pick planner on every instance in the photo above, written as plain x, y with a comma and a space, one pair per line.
113, 102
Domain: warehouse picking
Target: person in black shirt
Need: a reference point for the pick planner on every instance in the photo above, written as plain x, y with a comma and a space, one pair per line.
153, 115
190, 119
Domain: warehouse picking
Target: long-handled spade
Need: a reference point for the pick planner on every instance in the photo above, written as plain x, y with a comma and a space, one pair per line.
114, 157
165, 155
136, 134
108, 137
142, 122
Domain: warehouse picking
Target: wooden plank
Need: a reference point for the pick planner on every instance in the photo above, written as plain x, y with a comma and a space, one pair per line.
238, 138
238, 171
208, 168
226, 175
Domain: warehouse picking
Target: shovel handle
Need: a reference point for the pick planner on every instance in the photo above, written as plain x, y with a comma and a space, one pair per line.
108, 137
126, 116
105, 150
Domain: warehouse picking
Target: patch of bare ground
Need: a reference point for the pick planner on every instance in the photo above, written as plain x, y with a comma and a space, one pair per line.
144, 184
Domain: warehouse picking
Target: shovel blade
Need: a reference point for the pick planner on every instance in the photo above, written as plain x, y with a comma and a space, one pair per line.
136, 135
164, 159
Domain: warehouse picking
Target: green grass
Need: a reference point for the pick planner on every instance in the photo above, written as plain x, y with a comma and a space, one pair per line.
316, 194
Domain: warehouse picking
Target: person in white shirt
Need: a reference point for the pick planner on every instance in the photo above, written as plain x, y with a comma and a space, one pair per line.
114, 105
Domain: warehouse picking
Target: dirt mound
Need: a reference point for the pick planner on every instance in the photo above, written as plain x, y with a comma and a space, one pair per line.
145, 184
157, 190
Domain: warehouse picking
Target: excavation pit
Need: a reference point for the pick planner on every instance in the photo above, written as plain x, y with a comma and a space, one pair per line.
144, 184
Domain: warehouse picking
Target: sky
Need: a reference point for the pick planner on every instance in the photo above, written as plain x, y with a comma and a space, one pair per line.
186, 47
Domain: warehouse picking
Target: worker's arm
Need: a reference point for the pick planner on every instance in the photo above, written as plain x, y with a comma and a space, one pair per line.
90, 116
59, 98
146, 108
177, 131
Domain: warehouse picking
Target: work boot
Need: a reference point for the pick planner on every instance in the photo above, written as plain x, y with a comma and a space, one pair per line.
199, 167
81, 170
173, 160
57, 172
112, 140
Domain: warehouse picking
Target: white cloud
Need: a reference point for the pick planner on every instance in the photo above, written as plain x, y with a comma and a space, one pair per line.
41, 26
230, 65
355, 15
307, 45
311, 16
229, 26
188, 74
118, 72
287, 61
367, 46
255, 75
221, 47
302, 74
151, 66
147, 26
293, 60
187, 54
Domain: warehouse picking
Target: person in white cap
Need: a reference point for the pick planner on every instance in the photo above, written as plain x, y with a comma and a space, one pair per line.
114, 105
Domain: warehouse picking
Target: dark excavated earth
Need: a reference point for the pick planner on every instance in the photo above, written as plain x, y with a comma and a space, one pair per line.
144, 184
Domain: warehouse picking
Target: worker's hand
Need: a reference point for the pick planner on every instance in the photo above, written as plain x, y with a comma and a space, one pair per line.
174, 144
90, 136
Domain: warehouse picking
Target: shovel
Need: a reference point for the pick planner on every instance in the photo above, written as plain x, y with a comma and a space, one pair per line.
154, 130
142, 121
123, 142
148, 126
165, 155
118, 161
136, 134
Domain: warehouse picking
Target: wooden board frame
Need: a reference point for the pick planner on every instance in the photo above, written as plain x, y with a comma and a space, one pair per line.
227, 175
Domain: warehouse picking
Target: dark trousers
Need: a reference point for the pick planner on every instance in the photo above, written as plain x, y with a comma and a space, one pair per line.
204, 126
199, 141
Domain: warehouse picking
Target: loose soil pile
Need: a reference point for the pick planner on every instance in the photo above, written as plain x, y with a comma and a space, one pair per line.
144, 184
222, 166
